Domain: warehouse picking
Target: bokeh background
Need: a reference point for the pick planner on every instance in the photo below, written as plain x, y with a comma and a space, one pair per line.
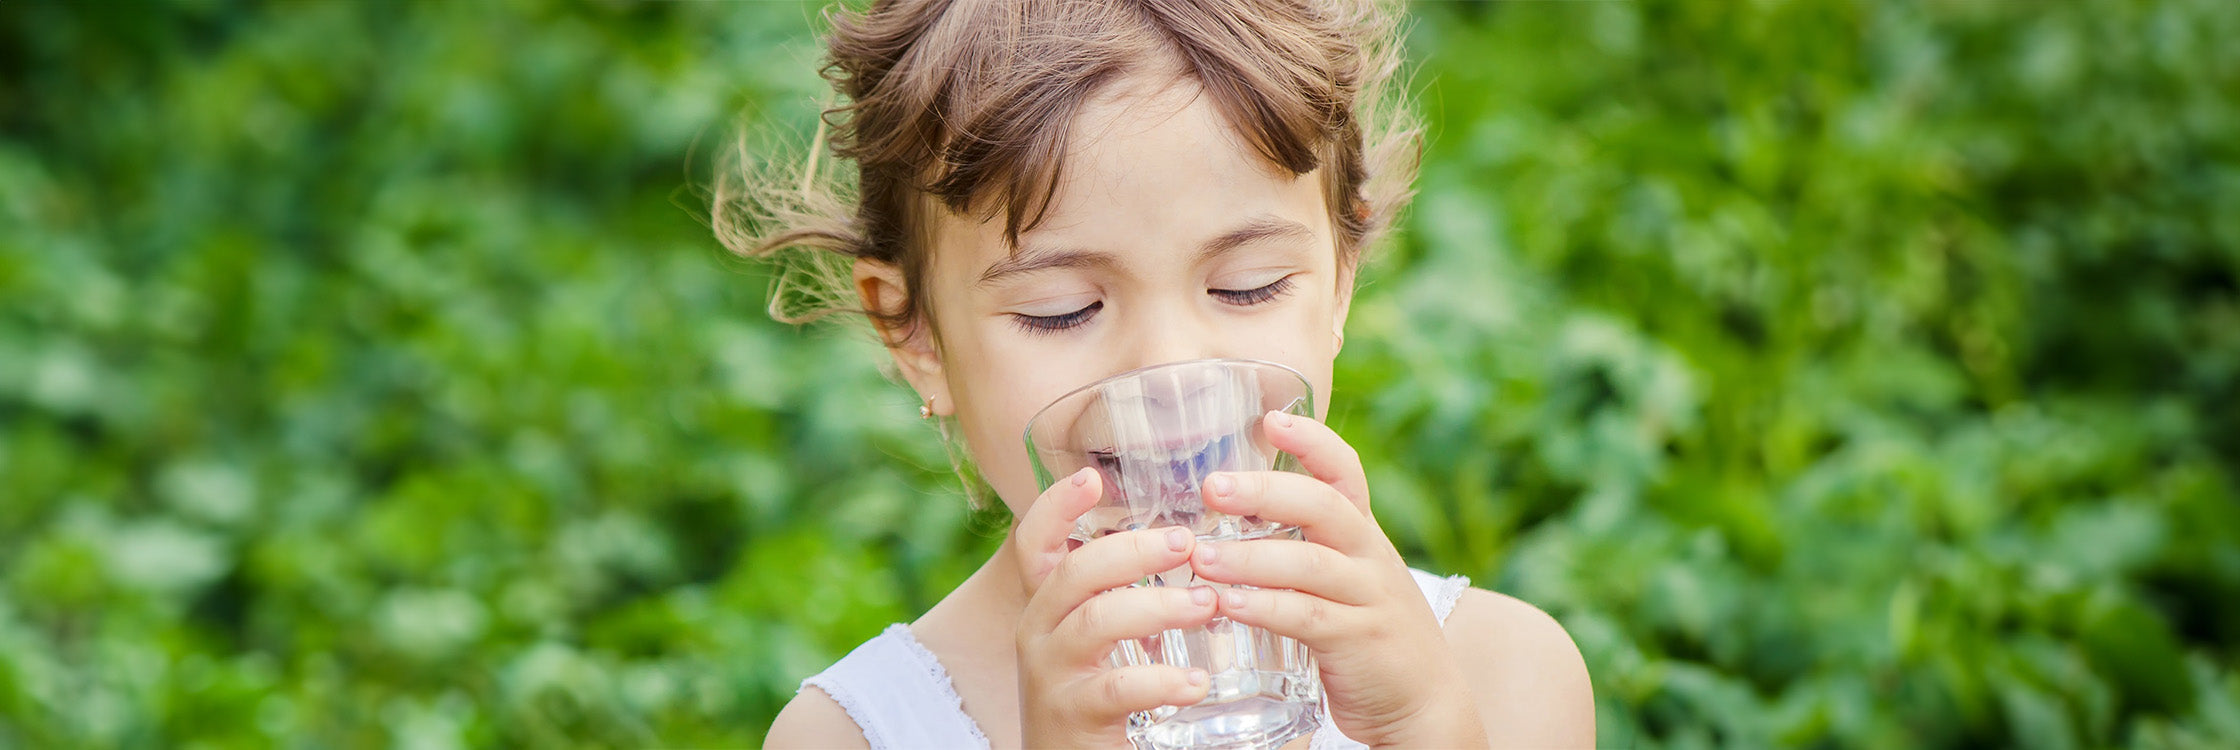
1841, 374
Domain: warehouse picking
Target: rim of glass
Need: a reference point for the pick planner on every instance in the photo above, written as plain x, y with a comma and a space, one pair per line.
1307, 387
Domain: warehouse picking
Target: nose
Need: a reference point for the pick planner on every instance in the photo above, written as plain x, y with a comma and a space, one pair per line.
1184, 387
1178, 406
1171, 332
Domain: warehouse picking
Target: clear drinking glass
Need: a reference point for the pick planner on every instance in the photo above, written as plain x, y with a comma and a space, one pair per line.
1154, 434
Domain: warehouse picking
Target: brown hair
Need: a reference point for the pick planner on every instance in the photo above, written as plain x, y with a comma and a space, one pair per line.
969, 102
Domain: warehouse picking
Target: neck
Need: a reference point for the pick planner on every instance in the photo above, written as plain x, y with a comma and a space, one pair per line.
973, 632
998, 588
983, 609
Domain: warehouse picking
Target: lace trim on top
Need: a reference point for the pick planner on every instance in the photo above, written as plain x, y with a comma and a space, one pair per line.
847, 701
940, 676
1450, 591
1326, 737
868, 724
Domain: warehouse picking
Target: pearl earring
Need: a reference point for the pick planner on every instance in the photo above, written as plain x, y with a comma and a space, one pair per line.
925, 410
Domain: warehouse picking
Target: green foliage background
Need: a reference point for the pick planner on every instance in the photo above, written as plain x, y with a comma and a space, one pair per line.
1841, 374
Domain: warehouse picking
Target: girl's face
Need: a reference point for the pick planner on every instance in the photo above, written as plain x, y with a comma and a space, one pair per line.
1169, 238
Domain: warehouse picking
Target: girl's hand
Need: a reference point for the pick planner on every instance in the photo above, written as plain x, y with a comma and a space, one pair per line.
1385, 664
1077, 611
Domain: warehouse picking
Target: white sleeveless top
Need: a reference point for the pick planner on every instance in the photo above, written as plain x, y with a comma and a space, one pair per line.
899, 695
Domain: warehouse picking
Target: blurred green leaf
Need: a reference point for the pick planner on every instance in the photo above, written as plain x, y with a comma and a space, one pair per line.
1838, 374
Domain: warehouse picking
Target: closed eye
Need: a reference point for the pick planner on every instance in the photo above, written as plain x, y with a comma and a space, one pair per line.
1249, 297
1055, 323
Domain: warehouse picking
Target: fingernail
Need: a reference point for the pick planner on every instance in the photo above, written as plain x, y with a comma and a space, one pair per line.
1232, 599
1177, 539
1201, 596
1206, 554
1081, 477
1281, 418
1221, 485
1197, 677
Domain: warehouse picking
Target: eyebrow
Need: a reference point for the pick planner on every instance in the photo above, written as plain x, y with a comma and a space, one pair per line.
1031, 259
1036, 259
1257, 229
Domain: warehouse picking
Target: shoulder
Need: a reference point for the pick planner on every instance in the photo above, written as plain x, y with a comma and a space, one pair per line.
1506, 623
1526, 672
813, 719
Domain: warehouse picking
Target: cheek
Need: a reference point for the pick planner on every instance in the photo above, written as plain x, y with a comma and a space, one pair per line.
1297, 334
1302, 339
999, 390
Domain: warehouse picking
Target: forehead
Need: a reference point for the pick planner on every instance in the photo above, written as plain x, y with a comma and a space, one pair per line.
1150, 160
1124, 131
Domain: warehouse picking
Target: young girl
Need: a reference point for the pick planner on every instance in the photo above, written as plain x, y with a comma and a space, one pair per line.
1047, 193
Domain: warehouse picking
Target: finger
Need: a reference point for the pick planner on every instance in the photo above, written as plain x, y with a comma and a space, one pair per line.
1298, 500
1039, 539
1306, 567
1321, 452
1090, 629
1101, 565
1114, 693
1321, 624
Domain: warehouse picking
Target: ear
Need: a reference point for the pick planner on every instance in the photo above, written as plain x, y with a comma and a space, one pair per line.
916, 354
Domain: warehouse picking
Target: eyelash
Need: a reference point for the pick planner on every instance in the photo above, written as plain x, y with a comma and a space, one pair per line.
1247, 297
1056, 323
1040, 324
